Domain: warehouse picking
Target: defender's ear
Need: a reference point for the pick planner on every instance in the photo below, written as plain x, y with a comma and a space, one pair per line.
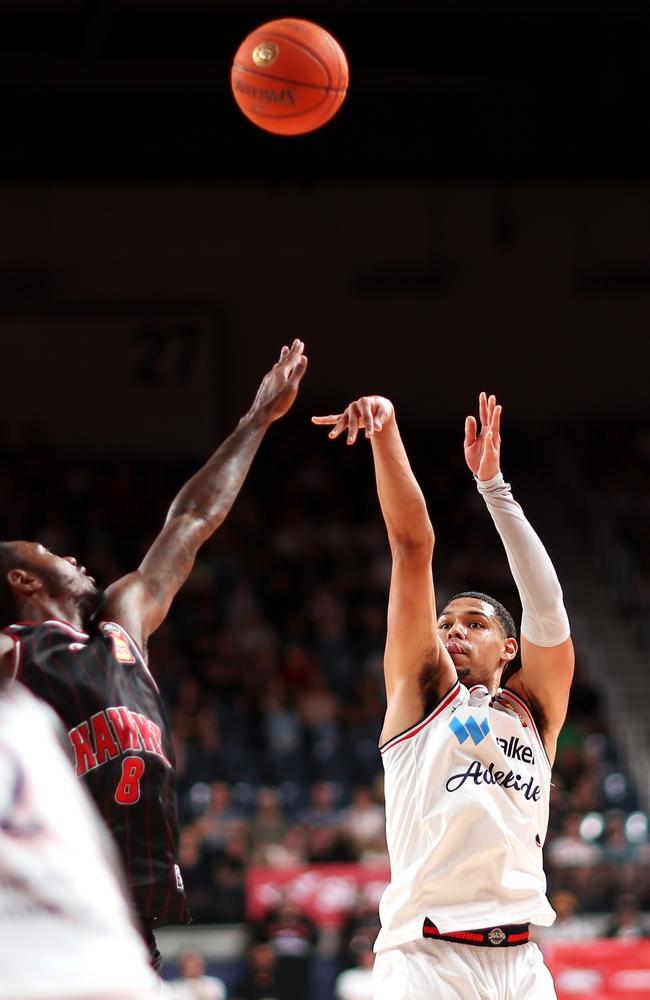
23, 582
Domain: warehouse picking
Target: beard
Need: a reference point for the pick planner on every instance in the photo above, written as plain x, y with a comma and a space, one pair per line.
89, 604
86, 596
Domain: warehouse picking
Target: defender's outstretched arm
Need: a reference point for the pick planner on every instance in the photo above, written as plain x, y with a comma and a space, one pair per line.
141, 600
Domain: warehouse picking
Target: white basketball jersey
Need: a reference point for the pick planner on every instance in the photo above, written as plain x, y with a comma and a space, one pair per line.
65, 925
467, 797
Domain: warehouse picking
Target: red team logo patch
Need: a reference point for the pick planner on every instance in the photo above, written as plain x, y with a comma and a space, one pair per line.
121, 648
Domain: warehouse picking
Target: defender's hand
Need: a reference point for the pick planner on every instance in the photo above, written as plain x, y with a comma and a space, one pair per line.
279, 387
483, 449
371, 413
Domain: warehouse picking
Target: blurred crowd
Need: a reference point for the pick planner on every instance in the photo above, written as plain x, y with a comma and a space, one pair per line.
271, 664
610, 472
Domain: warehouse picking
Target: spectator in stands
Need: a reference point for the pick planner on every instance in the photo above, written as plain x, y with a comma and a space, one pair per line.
363, 821
360, 930
627, 922
616, 847
328, 845
228, 882
260, 979
293, 851
293, 937
570, 850
268, 825
322, 812
196, 862
356, 983
568, 925
220, 818
193, 983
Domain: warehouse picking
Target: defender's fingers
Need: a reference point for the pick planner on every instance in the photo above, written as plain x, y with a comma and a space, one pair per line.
496, 421
283, 354
296, 349
298, 369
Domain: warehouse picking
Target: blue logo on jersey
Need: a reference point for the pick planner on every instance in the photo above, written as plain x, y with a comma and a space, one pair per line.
462, 731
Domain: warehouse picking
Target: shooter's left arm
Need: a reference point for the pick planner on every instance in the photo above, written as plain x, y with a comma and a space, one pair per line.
547, 656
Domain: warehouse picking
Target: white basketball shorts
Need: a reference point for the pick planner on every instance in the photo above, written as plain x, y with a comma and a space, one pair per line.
444, 970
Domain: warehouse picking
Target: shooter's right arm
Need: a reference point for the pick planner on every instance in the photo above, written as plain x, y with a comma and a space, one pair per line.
415, 660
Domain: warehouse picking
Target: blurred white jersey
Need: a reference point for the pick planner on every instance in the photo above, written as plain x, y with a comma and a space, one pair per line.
65, 925
467, 799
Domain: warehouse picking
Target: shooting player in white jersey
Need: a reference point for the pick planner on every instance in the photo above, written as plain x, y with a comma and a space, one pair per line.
467, 764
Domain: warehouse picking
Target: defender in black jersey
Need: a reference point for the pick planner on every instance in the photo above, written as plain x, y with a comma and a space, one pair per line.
83, 651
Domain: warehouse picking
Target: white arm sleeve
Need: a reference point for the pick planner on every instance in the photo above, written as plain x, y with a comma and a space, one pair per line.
544, 620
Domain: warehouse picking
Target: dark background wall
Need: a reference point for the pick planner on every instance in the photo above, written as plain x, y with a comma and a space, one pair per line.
476, 216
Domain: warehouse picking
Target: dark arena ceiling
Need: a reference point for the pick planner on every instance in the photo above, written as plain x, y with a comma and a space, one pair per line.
139, 89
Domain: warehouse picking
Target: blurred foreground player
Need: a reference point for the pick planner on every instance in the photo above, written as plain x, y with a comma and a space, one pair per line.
467, 763
85, 652
66, 928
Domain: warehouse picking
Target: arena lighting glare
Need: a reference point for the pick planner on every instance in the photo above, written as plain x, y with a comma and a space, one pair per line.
636, 828
615, 787
592, 826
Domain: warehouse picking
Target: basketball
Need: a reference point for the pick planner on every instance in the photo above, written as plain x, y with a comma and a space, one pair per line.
289, 76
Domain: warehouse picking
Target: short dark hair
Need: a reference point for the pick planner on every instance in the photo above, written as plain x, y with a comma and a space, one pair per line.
502, 615
9, 559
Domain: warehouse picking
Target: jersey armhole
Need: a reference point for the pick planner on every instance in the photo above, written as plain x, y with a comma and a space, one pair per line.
17, 655
522, 703
417, 727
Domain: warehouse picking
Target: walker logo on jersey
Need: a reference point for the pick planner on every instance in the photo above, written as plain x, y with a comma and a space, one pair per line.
121, 649
111, 733
516, 749
462, 731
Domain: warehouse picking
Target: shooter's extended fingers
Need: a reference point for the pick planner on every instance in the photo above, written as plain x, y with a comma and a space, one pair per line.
483, 410
491, 449
367, 418
470, 431
332, 418
353, 423
339, 420
496, 422
340, 425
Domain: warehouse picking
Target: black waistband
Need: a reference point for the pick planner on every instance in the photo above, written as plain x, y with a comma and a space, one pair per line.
507, 936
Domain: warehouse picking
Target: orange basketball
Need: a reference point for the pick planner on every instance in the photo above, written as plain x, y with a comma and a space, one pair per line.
289, 76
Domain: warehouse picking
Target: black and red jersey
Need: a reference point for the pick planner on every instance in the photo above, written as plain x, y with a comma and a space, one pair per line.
100, 685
